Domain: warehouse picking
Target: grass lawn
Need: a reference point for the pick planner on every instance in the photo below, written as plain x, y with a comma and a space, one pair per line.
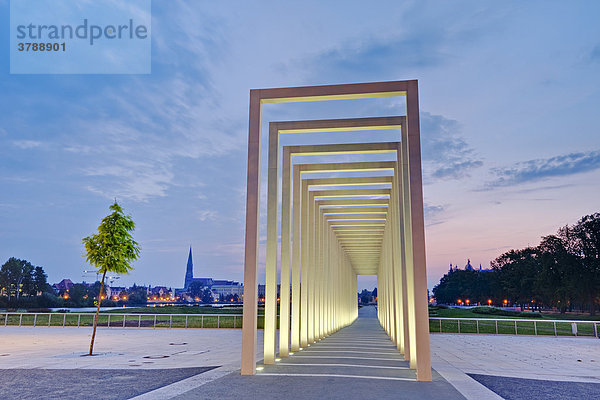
180, 310
449, 312
540, 325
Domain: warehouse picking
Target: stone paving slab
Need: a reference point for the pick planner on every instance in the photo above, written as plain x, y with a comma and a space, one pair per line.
106, 384
532, 389
533, 357
296, 388
119, 348
136, 355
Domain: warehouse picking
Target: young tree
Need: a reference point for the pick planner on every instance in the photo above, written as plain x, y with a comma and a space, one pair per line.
112, 249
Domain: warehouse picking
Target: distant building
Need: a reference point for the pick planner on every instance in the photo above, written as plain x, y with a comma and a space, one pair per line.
261, 290
219, 288
189, 272
189, 275
159, 291
468, 267
226, 288
114, 290
64, 285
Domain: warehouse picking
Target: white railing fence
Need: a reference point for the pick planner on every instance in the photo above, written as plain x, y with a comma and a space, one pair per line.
501, 326
114, 320
505, 326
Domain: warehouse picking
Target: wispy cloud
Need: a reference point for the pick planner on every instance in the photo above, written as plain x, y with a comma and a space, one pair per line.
26, 144
78, 149
547, 187
204, 215
432, 210
421, 42
131, 180
445, 153
152, 128
433, 213
534, 170
376, 55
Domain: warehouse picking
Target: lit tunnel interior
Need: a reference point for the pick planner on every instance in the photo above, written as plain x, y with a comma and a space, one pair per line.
336, 227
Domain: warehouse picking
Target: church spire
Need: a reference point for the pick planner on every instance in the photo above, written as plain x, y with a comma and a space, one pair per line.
189, 273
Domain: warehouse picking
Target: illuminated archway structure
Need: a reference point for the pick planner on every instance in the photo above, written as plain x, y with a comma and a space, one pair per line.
333, 229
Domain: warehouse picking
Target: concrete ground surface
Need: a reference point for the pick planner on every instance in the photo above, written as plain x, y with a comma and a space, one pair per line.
106, 384
518, 388
204, 363
358, 362
535, 357
520, 367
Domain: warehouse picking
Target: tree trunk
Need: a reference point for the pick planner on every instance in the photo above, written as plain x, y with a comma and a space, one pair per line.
592, 305
97, 313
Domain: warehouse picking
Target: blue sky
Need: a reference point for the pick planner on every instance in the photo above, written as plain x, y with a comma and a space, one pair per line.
509, 96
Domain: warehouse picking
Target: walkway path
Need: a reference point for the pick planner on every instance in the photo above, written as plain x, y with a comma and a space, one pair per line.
361, 351
359, 361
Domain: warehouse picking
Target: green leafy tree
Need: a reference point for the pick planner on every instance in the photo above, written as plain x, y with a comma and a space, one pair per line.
112, 249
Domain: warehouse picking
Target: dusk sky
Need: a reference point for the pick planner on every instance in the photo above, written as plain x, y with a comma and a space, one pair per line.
510, 110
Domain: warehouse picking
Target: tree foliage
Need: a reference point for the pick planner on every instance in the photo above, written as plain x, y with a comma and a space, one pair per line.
24, 285
112, 249
195, 289
365, 296
138, 295
563, 271
20, 278
207, 296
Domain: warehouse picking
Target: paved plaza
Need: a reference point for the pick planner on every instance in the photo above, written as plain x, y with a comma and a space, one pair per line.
357, 362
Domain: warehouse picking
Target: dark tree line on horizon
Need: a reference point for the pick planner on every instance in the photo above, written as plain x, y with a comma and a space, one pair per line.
23, 285
562, 272
21, 281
